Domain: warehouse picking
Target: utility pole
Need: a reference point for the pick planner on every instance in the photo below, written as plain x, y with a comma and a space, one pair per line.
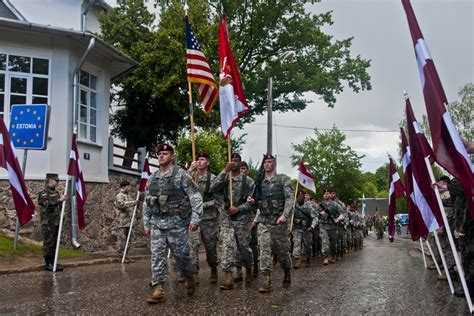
269, 115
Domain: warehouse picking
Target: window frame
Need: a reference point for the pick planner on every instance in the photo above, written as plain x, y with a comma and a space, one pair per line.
87, 123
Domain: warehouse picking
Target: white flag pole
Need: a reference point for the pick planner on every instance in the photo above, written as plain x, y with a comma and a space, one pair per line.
131, 228
450, 237
433, 257
63, 207
423, 252
443, 259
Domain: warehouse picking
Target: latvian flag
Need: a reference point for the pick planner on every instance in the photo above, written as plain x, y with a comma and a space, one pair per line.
24, 206
75, 170
305, 178
145, 176
199, 71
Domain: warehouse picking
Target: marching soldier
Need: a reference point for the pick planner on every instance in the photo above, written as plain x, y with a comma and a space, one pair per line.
123, 209
235, 222
275, 202
305, 221
329, 212
379, 224
50, 201
341, 226
209, 225
173, 205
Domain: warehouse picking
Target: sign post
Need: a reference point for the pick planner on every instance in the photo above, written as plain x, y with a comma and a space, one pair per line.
29, 131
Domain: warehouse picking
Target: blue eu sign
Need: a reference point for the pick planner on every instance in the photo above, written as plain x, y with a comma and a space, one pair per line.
29, 126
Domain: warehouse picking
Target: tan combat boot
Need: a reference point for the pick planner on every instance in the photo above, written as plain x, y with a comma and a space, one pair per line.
213, 277
238, 275
332, 260
190, 285
255, 271
267, 283
228, 282
248, 275
297, 263
326, 261
158, 295
441, 277
287, 279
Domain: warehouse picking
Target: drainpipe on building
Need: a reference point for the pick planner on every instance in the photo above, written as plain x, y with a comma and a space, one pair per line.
75, 82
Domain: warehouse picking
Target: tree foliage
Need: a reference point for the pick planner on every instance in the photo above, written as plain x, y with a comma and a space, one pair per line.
153, 98
332, 163
462, 112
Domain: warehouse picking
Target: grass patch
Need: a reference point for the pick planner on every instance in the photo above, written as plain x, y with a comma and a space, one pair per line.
22, 249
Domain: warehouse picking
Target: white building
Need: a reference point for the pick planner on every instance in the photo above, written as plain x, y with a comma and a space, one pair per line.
40, 57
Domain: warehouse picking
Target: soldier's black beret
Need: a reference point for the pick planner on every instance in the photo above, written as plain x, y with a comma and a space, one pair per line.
202, 154
236, 155
327, 190
124, 183
52, 176
268, 157
244, 164
301, 192
164, 147
444, 178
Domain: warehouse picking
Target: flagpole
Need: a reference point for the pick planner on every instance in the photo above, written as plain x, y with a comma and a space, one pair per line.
294, 205
450, 237
17, 226
231, 197
443, 260
433, 257
191, 118
61, 218
131, 227
423, 252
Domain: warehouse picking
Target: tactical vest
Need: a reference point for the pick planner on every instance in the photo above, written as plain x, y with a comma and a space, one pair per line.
272, 201
206, 196
302, 217
171, 199
242, 197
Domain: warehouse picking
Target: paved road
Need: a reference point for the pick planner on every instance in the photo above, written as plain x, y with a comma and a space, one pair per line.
382, 278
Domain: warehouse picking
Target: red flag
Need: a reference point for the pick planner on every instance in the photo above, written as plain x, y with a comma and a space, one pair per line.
416, 225
448, 148
24, 206
395, 191
75, 170
199, 71
424, 195
233, 103
146, 173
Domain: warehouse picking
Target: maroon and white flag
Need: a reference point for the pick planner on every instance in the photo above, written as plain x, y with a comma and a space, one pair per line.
146, 173
416, 225
305, 178
24, 206
395, 191
448, 148
75, 170
423, 193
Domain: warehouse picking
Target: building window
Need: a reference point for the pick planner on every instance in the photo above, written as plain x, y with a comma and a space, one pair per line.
87, 107
23, 80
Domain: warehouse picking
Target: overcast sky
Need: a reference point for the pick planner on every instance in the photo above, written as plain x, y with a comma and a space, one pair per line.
380, 32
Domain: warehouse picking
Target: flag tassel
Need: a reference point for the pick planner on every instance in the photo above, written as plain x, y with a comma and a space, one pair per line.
61, 219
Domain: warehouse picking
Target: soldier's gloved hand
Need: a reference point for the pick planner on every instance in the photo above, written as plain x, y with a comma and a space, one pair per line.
250, 201
63, 198
193, 227
228, 167
233, 210
193, 167
281, 220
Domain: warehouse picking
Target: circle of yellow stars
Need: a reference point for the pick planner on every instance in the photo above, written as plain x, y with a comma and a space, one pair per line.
37, 135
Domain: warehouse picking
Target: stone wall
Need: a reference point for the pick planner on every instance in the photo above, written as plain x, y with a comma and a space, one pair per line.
100, 231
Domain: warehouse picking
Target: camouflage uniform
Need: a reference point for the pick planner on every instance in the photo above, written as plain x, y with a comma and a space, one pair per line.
123, 210
235, 230
172, 202
49, 203
464, 226
379, 227
305, 220
341, 231
275, 198
328, 228
208, 226
350, 231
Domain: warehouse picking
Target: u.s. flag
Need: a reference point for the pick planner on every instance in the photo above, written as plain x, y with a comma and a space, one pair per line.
198, 70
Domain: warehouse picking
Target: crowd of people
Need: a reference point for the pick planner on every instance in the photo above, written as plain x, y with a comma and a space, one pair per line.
257, 223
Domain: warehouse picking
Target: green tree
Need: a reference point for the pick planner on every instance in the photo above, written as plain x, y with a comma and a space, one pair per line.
462, 112
332, 163
381, 178
154, 97
368, 184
